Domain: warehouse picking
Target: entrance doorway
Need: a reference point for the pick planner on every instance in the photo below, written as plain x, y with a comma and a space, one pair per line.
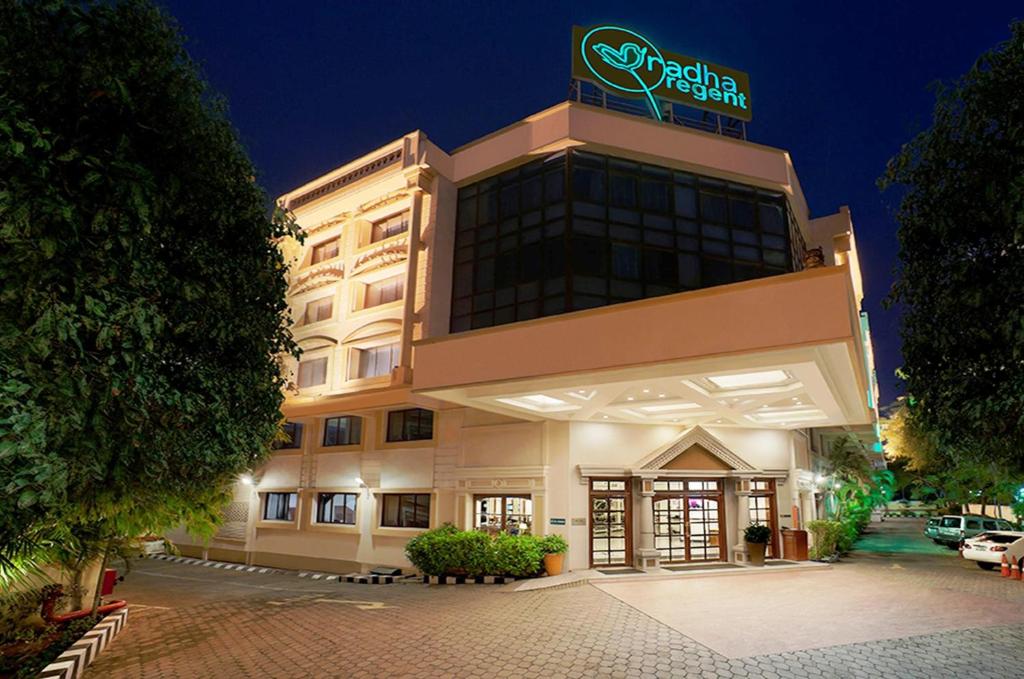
610, 522
689, 520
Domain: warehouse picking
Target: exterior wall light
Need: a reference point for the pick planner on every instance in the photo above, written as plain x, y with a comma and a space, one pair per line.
246, 479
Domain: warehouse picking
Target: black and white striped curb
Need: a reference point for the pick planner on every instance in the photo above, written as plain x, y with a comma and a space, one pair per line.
217, 564
71, 663
356, 578
467, 579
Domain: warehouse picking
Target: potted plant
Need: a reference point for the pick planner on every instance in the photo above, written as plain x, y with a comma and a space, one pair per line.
757, 536
554, 547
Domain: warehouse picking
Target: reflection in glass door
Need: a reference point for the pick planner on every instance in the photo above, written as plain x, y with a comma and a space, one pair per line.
609, 522
687, 520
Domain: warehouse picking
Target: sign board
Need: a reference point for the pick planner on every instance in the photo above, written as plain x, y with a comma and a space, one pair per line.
628, 64
557, 522
579, 521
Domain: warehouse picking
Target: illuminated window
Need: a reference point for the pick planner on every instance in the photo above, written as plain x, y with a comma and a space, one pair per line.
312, 372
280, 506
387, 228
382, 292
319, 310
509, 513
414, 424
405, 510
342, 431
325, 251
337, 508
378, 361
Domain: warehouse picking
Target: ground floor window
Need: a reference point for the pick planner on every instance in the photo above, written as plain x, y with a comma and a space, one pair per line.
338, 508
405, 510
508, 513
280, 506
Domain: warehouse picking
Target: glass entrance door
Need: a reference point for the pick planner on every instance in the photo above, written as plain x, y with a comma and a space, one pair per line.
688, 522
610, 522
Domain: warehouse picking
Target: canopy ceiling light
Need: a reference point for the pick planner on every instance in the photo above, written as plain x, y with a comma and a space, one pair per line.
758, 379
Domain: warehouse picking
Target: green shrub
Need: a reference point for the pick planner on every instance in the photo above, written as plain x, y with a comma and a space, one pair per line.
757, 533
431, 551
449, 551
518, 555
554, 544
827, 538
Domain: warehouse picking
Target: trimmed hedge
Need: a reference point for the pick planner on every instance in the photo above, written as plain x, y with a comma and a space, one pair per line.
450, 551
828, 538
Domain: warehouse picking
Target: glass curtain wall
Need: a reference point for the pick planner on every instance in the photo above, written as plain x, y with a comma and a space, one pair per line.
579, 230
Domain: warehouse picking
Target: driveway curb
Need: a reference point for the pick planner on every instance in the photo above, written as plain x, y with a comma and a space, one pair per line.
72, 663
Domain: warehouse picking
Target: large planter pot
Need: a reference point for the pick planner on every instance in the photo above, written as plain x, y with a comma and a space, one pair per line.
553, 563
755, 551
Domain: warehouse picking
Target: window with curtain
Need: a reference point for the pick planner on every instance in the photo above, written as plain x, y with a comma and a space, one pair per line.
337, 508
312, 372
382, 292
319, 309
392, 226
324, 251
378, 361
280, 506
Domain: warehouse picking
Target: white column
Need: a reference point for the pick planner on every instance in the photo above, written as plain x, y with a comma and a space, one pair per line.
742, 521
647, 557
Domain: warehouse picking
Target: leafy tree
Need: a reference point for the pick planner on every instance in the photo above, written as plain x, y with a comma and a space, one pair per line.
142, 312
961, 261
846, 458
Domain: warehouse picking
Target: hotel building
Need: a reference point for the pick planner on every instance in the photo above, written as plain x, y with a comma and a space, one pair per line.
628, 332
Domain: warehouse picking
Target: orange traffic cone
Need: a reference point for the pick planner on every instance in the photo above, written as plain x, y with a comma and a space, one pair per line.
1004, 568
1014, 572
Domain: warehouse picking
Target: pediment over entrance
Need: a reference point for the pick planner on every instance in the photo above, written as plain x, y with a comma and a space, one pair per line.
696, 450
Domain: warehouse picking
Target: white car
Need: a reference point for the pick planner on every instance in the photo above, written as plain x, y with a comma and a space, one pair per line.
988, 548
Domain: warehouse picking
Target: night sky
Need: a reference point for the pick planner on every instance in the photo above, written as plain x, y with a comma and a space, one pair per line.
312, 85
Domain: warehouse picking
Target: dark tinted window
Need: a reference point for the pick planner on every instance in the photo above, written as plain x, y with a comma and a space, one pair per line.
406, 510
580, 230
415, 424
342, 431
292, 436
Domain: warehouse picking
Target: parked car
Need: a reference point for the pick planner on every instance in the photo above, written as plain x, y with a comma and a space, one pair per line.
931, 529
987, 549
954, 528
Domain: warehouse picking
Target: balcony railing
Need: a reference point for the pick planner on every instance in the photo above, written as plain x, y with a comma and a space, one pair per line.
588, 93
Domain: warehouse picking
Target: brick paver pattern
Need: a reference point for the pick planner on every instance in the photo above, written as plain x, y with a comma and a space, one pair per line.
190, 621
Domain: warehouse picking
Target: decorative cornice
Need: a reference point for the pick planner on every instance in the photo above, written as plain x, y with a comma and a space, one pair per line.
697, 435
388, 252
317, 276
381, 201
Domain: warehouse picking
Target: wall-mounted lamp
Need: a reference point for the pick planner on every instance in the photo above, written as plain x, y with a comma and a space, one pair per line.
246, 479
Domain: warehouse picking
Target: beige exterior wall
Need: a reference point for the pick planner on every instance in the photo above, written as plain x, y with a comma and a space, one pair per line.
804, 322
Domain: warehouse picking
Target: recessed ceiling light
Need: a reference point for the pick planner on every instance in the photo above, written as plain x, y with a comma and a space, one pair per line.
795, 398
749, 379
542, 400
605, 417
661, 395
647, 391
676, 419
629, 398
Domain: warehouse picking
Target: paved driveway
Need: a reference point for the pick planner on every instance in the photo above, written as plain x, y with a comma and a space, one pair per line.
190, 621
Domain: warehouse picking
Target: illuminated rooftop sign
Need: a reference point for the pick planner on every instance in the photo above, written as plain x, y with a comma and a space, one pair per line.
628, 64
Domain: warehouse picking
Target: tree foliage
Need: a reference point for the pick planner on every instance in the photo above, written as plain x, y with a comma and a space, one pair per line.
142, 311
961, 261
